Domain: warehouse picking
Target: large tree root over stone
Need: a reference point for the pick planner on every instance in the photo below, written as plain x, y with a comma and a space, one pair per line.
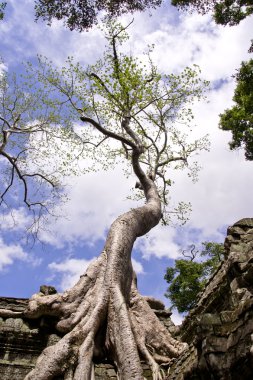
99, 320
103, 315
98, 325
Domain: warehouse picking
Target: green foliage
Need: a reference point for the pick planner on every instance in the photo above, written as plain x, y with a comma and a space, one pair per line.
232, 12
239, 118
82, 15
185, 284
2, 8
188, 277
225, 12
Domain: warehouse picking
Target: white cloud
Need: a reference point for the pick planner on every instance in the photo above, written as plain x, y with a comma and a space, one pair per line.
176, 318
159, 242
222, 194
137, 266
15, 220
9, 253
96, 199
195, 39
55, 42
3, 67
70, 270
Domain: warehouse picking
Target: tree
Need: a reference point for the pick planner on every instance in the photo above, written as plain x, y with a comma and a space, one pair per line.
188, 277
29, 129
128, 111
225, 12
239, 118
82, 15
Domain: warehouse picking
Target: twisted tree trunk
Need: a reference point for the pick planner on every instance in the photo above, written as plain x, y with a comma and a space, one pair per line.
103, 315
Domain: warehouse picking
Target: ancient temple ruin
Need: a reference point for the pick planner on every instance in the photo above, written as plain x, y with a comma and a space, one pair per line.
219, 330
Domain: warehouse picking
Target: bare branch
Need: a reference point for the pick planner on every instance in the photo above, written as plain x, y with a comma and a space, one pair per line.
13, 163
41, 176
22, 178
5, 121
126, 150
98, 144
9, 186
171, 159
152, 101
125, 124
164, 187
106, 132
193, 253
115, 55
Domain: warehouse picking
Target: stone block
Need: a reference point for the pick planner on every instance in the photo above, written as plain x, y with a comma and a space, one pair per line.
209, 319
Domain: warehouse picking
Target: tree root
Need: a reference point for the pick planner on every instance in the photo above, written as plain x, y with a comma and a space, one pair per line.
5, 313
98, 321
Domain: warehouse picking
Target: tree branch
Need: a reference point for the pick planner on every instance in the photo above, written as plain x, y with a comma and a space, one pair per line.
9, 186
179, 158
107, 90
22, 178
108, 133
115, 55
125, 125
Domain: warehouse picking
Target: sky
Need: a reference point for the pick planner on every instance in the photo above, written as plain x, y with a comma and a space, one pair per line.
221, 196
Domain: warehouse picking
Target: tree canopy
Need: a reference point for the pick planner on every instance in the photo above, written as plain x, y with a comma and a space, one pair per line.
82, 15
188, 277
225, 12
239, 118
119, 91
40, 111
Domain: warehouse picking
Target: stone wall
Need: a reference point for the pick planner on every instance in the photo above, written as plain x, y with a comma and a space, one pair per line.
22, 340
219, 330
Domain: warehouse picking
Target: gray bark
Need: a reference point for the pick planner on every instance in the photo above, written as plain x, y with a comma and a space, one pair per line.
106, 299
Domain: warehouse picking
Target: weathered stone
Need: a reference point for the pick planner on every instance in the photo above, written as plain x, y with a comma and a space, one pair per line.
223, 351
248, 275
226, 328
111, 372
236, 231
214, 344
47, 290
245, 222
154, 303
247, 237
209, 319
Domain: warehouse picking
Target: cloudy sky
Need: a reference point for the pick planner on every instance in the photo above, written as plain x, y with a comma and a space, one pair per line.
222, 195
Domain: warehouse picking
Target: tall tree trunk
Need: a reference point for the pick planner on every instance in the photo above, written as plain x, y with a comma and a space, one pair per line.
103, 314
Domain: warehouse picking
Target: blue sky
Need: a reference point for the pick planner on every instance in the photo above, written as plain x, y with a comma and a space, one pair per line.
220, 197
